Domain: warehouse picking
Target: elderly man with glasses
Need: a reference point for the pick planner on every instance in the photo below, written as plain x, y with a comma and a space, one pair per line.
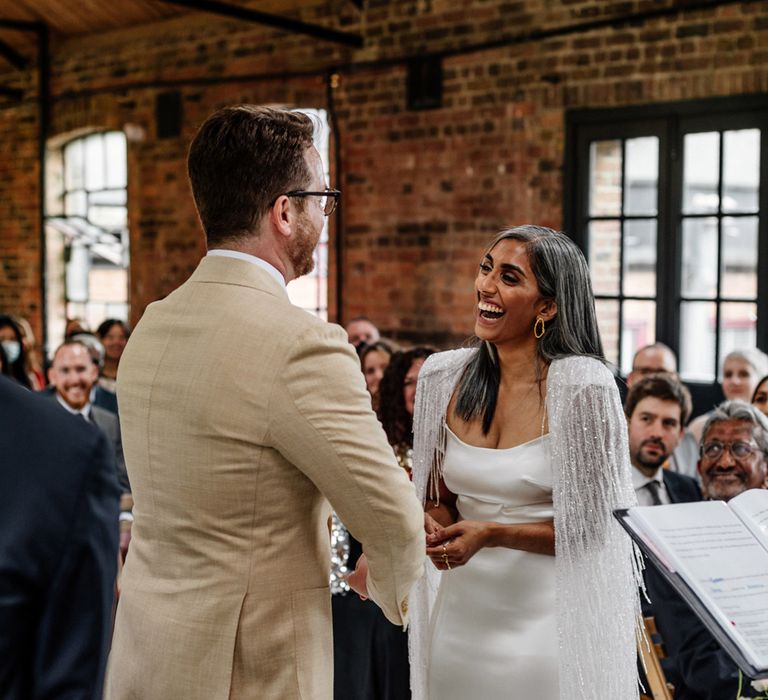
733, 458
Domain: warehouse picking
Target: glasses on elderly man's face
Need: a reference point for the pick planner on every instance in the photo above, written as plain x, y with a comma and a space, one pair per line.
328, 202
739, 449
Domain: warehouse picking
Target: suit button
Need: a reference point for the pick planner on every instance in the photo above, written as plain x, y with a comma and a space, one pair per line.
404, 607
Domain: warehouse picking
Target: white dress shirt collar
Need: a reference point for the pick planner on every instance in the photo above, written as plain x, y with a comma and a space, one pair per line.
639, 481
85, 411
259, 262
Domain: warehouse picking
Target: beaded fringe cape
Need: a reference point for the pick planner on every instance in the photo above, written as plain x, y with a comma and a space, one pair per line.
597, 568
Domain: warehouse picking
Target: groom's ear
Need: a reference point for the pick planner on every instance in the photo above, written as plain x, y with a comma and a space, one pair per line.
548, 309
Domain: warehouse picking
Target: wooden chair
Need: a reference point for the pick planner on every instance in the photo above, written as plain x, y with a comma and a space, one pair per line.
650, 651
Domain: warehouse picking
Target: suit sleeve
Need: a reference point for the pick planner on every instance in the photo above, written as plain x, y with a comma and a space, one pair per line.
77, 619
321, 421
122, 472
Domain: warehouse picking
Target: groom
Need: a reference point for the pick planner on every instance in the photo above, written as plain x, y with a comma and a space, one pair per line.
241, 415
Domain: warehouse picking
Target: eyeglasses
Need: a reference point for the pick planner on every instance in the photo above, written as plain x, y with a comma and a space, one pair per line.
739, 449
330, 198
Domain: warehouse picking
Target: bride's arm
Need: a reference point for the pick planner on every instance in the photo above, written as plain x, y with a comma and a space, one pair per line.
443, 510
458, 543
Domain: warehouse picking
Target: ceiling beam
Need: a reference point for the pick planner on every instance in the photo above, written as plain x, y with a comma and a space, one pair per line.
22, 25
291, 25
12, 93
13, 57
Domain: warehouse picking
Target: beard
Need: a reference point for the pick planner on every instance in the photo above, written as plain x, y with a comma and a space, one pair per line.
301, 247
651, 462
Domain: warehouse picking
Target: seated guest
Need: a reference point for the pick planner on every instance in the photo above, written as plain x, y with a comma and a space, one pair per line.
31, 354
741, 371
652, 359
114, 335
374, 359
13, 345
705, 671
101, 397
659, 359
361, 331
760, 396
657, 407
58, 550
72, 376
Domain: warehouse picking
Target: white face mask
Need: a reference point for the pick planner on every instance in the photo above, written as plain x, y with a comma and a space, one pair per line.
12, 350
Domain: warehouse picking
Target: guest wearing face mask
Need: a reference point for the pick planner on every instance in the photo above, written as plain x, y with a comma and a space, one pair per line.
12, 342
32, 362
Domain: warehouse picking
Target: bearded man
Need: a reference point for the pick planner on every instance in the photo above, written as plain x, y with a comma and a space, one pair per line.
243, 416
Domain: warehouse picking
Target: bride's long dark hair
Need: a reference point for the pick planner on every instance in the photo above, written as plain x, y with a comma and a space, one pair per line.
562, 274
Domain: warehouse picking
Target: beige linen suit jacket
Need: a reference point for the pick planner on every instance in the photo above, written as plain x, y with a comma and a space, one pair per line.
241, 414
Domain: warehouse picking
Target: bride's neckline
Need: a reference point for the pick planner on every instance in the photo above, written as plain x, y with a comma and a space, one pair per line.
494, 449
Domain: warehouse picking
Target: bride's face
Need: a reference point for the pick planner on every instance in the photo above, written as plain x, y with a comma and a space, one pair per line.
507, 295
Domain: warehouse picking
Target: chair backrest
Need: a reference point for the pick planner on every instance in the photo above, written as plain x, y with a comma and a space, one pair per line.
650, 651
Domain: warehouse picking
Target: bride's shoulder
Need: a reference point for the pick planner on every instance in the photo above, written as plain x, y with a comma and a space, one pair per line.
445, 363
580, 370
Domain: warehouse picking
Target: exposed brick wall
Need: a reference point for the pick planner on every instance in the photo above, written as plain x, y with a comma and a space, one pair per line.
423, 191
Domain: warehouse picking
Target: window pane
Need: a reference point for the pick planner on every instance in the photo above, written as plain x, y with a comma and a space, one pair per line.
699, 274
641, 176
640, 258
639, 329
109, 197
604, 256
608, 321
697, 341
73, 165
700, 172
741, 170
738, 328
94, 162
75, 204
108, 218
605, 178
739, 274
114, 142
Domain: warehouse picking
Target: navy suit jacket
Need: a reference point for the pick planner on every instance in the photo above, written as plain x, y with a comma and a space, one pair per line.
59, 506
681, 488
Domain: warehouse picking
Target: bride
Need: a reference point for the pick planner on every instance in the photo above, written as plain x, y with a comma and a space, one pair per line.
520, 458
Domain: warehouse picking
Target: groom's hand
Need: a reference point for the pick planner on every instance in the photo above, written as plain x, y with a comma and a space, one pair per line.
357, 580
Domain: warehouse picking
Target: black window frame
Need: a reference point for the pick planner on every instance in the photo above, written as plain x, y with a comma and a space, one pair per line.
669, 122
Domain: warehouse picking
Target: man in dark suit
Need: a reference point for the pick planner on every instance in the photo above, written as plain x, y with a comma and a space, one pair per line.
73, 376
657, 408
58, 550
703, 670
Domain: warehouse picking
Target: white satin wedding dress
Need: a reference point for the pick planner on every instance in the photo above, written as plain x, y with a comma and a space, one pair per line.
493, 631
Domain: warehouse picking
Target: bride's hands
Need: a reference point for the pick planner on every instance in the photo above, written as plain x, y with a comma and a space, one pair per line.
452, 546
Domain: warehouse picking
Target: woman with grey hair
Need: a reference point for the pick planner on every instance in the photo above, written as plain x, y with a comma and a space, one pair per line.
520, 454
742, 370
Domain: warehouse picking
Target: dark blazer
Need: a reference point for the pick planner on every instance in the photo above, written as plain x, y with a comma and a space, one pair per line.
108, 422
681, 488
103, 398
59, 506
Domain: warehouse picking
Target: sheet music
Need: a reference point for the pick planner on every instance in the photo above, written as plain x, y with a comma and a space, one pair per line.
752, 507
721, 560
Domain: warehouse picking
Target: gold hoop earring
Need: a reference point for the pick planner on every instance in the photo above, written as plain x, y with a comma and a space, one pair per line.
539, 331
